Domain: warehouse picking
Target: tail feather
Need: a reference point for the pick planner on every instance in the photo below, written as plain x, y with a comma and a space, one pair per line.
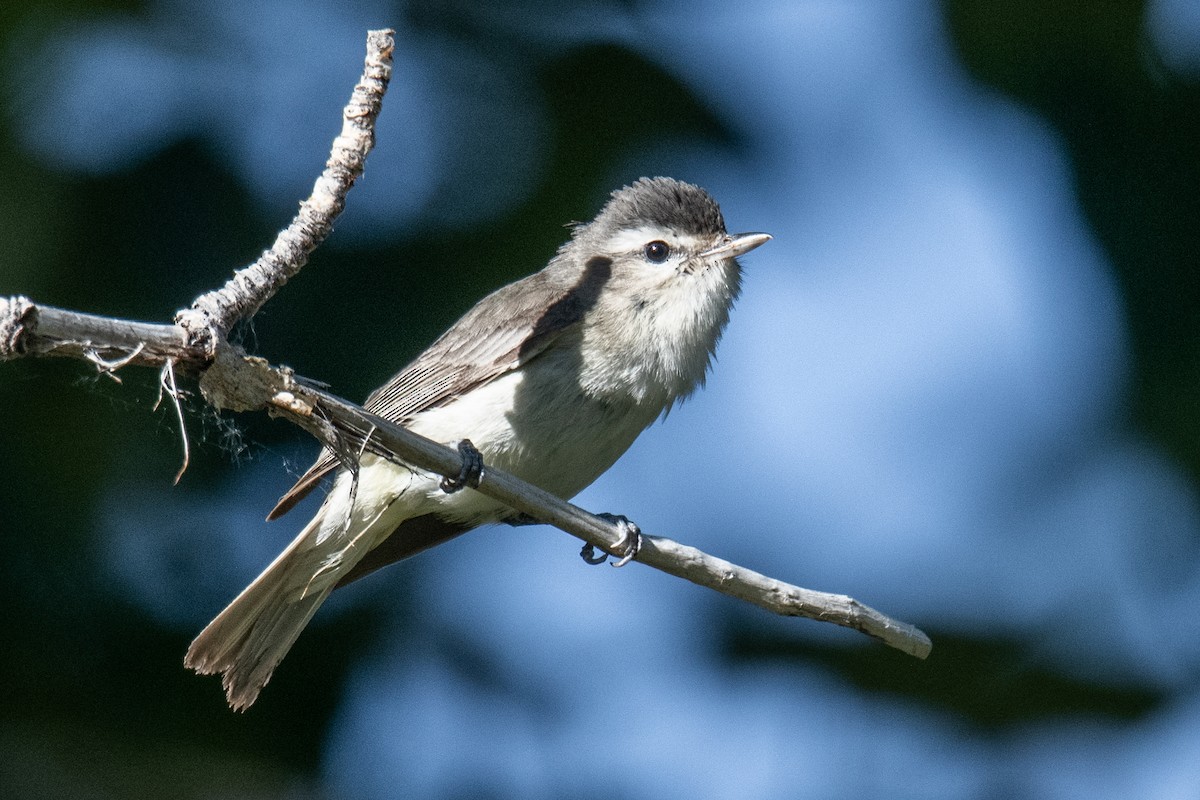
251, 636
246, 641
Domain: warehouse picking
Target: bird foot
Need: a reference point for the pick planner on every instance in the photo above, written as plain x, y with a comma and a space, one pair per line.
626, 548
472, 469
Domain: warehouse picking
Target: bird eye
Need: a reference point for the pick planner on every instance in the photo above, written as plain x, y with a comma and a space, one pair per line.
657, 251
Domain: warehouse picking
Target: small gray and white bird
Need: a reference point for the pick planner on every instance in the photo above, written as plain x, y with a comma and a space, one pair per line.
551, 378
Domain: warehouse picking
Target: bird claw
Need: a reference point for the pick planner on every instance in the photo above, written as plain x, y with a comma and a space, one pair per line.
588, 554
472, 469
626, 548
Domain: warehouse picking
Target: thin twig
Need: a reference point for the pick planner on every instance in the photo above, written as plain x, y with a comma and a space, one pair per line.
166, 382
109, 367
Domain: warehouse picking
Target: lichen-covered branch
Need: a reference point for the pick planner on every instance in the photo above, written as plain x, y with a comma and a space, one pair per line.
244, 294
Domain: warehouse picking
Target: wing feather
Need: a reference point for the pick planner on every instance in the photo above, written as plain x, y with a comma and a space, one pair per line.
501, 333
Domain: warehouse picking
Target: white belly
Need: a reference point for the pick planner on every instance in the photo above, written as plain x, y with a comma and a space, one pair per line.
534, 425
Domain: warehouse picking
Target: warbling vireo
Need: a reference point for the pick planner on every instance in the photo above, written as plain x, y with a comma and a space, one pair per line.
551, 378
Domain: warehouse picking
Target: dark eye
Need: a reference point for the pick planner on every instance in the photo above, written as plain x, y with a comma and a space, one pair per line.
657, 251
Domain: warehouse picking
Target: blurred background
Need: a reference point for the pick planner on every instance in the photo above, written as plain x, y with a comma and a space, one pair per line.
961, 385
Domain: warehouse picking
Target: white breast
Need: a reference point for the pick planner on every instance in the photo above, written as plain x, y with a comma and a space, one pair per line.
535, 423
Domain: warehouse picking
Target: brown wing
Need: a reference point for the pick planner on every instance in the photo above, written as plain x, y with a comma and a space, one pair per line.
411, 537
502, 332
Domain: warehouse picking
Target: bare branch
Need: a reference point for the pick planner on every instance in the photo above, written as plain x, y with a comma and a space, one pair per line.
398, 443
29, 329
250, 287
231, 380
241, 383
779, 597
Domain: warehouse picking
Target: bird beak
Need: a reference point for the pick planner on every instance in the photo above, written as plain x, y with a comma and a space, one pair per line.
736, 244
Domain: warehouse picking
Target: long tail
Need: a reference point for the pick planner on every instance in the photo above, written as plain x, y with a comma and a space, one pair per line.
251, 636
